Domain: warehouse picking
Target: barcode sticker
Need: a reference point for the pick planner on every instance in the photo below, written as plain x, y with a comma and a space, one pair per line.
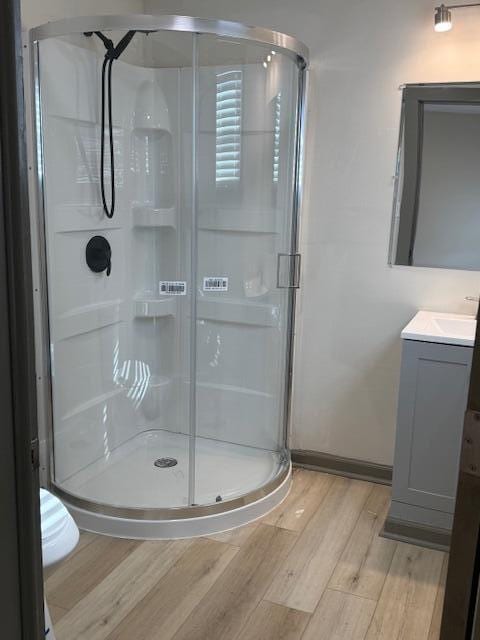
172, 288
215, 283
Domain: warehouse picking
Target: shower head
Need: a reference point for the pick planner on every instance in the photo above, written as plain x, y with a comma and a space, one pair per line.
113, 52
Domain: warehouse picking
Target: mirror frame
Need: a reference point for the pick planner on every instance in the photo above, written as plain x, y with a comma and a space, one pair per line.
409, 160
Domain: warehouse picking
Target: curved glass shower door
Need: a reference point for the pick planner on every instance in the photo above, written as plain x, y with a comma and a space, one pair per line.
119, 340
246, 124
169, 323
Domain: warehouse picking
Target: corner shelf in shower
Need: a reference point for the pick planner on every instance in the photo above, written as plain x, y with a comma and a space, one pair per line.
155, 307
150, 217
122, 388
238, 312
92, 402
84, 217
238, 220
88, 318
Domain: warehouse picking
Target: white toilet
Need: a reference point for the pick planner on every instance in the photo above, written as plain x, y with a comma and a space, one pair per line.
59, 538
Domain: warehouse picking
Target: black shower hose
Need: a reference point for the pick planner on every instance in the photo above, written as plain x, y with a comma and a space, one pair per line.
113, 53
107, 71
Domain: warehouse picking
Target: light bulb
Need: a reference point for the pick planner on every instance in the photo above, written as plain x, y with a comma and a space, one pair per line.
443, 19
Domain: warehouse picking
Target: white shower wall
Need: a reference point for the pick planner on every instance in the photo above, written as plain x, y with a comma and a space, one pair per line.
113, 342
120, 351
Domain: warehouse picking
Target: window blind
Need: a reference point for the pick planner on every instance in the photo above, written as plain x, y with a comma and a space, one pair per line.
228, 126
276, 135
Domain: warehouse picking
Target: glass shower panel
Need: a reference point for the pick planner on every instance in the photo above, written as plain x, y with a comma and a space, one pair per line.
119, 339
246, 125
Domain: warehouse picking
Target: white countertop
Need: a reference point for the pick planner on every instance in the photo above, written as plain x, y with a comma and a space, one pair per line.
444, 328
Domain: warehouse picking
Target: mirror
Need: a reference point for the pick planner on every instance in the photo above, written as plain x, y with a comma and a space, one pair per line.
436, 209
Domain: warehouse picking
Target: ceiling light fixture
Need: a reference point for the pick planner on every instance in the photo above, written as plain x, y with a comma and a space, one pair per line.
443, 18
443, 15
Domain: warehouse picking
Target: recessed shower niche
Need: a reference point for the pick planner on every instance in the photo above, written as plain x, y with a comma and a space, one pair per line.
183, 351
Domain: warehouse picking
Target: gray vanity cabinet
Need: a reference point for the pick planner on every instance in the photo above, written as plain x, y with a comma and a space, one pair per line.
432, 401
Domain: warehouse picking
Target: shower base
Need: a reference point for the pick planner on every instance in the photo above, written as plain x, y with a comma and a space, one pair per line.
148, 476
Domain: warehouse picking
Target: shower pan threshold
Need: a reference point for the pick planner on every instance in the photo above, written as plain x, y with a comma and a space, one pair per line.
131, 479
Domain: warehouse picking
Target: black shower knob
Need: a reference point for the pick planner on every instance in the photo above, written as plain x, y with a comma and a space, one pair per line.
98, 254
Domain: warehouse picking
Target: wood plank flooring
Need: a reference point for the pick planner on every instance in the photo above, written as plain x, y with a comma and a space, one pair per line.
313, 569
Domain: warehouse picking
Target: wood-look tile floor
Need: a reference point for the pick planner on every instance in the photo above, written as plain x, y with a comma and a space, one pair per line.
315, 569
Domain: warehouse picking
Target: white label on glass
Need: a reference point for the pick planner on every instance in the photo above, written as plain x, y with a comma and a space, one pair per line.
215, 283
172, 288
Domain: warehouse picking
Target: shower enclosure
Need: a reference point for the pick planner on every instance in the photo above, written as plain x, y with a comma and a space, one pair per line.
168, 325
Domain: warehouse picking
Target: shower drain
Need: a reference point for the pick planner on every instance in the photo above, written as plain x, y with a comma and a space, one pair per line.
165, 462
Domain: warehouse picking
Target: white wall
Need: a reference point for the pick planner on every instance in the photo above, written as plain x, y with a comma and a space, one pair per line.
352, 305
35, 12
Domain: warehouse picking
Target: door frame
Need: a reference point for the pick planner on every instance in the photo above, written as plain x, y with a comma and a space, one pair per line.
461, 619
20, 535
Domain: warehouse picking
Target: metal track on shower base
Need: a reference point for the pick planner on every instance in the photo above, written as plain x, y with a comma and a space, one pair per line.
175, 513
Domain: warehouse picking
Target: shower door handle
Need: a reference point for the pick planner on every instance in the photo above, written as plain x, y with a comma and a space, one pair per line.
288, 270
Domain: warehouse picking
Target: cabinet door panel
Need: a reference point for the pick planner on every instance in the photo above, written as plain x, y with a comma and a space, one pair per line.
432, 402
